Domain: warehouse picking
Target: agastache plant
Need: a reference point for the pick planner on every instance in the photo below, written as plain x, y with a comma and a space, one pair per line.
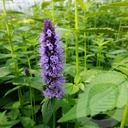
51, 62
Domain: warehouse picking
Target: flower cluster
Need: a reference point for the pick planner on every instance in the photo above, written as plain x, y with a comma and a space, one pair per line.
51, 62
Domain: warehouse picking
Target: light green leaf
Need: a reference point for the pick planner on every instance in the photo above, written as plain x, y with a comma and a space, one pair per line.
82, 4
114, 5
98, 30
77, 79
4, 71
9, 124
45, 4
2, 56
3, 118
105, 92
70, 88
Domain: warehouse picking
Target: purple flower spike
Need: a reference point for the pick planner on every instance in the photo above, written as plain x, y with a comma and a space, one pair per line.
51, 62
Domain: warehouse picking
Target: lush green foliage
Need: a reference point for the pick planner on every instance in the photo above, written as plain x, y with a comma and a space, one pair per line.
94, 37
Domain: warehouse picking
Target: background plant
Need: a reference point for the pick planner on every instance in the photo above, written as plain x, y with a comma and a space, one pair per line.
102, 69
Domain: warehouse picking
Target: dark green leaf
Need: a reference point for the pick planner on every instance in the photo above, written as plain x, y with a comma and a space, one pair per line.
27, 122
47, 110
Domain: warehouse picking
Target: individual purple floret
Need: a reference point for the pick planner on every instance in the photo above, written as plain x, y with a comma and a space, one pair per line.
51, 62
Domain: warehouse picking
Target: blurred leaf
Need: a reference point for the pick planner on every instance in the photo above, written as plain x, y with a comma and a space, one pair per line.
120, 63
14, 114
14, 12
27, 122
11, 90
2, 56
99, 30
82, 4
23, 29
3, 39
114, 5
41, 126
9, 124
5, 100
63, 31
58, 0
3, 118
77, 79
45, 4
12, 105
4, 71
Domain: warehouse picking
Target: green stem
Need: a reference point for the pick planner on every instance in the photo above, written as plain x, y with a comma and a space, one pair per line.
7, 27
85, 57
53, 10
76, 43
124, 117
66, 50
98, 57
32, 97
114, 46
11, 48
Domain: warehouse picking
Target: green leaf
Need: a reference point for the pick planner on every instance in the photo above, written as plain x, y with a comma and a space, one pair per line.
58, 0
98, 30
105, 92
2, 56
114, 5
102, 98
35, 82
120, 63
14, 12
47, 110
9, 124
82, 4
11, 90
3, 39
12, 105
13, 114
77, 79
64, 31
4, 71
27, 122
89, 75
70, 88
23, 29
116, 114
87, 123
70, 115
3, 118
45, 4
41, 126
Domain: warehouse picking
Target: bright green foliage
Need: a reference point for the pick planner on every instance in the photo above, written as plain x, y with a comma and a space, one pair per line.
95, 34
104, 92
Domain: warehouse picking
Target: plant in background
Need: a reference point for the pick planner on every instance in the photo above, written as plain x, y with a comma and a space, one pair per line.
51, 62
